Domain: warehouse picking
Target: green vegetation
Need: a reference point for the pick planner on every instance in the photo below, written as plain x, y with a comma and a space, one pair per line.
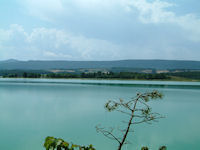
52, 143
187, 75
124, 75
173, 76
23, 73
161, 148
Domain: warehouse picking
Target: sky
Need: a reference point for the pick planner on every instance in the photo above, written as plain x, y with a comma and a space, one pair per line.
99, 29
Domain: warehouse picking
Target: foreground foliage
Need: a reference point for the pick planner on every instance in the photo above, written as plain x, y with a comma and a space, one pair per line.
161, 148
52, 143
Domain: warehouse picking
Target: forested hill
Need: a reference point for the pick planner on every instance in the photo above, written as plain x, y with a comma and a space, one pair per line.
142, 64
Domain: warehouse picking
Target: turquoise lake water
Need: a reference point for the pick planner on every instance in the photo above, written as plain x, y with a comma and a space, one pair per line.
31, 109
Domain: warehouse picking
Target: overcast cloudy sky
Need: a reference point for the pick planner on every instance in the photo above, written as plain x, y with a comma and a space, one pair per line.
99, 29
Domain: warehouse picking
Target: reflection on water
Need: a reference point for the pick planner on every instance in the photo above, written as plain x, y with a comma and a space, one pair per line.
33, 110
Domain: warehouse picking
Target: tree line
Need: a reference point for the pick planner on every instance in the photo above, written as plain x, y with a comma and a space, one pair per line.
96, 75
103, 75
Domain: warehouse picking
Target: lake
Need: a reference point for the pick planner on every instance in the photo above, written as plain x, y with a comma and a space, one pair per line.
31, 109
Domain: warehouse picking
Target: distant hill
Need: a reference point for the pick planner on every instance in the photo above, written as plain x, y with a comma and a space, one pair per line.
8, 61
142, 64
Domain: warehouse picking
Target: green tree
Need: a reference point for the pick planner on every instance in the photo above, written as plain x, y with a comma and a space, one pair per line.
24, 75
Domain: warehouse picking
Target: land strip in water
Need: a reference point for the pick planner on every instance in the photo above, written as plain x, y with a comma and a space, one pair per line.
181, 75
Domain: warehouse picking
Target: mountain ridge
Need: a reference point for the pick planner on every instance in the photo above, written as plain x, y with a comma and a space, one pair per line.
13, 64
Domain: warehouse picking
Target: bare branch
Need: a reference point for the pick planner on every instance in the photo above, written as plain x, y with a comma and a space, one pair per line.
107, 133
147, 120
143, 103
124, 112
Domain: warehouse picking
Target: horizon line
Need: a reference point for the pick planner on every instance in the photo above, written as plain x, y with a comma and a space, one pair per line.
11, 59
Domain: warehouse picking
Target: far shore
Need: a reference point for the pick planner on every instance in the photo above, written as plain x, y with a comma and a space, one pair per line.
172, 79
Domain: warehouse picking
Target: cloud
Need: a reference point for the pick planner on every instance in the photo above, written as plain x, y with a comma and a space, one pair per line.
153, 12
149, 12
53, 44
102, 30
43, 8
57, 55
55, 6
45, 43
157, 12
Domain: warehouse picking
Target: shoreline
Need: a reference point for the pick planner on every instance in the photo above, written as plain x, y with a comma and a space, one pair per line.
131, 83
112, 79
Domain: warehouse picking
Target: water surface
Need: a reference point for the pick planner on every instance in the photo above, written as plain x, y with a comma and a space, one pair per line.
31, 109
